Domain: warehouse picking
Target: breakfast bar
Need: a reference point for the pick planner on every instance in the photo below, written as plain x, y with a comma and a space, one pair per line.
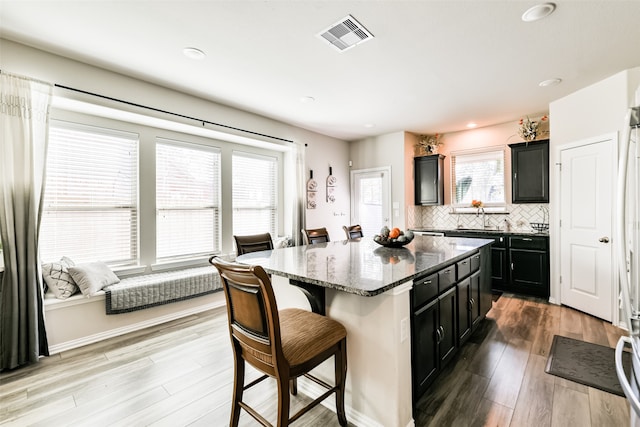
368, 288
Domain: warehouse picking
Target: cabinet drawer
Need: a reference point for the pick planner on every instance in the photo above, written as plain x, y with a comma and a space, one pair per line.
425, 289
446, 278
536, 243
475, 262
464, 268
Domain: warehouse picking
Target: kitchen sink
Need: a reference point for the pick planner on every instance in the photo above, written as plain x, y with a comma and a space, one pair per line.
478, 230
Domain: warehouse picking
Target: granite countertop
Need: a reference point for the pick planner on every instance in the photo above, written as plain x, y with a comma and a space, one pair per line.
483, 231
361, 266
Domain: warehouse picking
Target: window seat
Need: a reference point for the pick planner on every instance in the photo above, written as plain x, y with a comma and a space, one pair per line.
78, 320
149, 290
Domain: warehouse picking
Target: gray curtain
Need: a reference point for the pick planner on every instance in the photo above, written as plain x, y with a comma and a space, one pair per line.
24, 119
295, 186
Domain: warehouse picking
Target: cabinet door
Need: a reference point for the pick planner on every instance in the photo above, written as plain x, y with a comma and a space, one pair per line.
530, 172
529, 272
475, 299
464, 313
429, 185
498, 268
448, 327
424, 349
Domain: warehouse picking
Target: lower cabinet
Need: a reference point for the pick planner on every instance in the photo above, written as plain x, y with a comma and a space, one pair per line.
447, 306
519, 263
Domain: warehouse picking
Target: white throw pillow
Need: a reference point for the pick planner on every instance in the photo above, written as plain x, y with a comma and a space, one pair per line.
92, 277
59, 281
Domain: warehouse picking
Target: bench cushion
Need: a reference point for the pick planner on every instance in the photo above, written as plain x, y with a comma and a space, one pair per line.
137, 293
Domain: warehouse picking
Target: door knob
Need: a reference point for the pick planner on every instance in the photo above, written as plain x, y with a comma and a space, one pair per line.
604, 239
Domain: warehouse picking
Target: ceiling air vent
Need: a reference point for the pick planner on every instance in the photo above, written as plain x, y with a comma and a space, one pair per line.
345, 34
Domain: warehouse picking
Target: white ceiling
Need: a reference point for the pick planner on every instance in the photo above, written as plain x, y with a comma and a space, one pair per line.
433, 66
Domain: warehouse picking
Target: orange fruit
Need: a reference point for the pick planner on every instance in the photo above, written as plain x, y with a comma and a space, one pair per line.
394, 233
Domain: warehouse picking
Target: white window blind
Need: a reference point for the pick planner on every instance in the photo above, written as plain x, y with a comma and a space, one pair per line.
187, 200
91, 191
255, 194
478, 176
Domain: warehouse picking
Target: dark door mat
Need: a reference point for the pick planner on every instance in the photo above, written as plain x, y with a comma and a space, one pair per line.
590, 364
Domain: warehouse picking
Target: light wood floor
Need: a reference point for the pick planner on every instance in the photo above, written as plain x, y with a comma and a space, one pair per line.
180, 374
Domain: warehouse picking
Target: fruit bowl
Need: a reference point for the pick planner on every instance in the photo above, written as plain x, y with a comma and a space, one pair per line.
394, 238
393, 244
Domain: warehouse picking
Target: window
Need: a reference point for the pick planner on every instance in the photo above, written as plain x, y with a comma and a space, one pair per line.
478, 176
255, 194
187, 200
90, 202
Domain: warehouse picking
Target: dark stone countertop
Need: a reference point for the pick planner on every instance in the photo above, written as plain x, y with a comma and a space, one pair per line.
361, 266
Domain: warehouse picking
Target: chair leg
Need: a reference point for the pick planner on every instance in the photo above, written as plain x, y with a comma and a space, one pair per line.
238, 388
293, 385
283, 402
341, 378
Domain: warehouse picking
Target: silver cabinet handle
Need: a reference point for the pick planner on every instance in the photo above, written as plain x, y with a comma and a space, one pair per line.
438, 336
526, 239
511, 266
604, 239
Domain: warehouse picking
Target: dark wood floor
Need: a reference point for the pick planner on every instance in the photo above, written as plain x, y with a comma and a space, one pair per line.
180, 374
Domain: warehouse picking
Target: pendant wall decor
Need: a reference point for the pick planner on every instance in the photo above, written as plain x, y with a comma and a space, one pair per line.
331, 186
312, 191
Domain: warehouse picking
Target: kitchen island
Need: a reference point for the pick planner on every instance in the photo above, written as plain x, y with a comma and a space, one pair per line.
368, 288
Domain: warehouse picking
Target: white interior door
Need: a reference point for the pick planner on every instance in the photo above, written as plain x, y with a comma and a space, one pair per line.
371, 199
586, 208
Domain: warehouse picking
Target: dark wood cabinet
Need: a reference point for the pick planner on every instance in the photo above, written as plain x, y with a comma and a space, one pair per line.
530, 172
519, 263
447, 315
425, 351
447, 305
465, 297
529, 265
428, 180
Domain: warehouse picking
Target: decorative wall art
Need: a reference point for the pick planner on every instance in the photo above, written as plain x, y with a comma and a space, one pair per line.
312, 191
331, 186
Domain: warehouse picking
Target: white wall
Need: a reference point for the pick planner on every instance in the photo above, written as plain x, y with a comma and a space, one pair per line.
322, 150
593, 111
320, 155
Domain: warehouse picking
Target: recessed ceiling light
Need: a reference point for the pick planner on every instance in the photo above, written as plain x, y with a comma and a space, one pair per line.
471, 125
538, 11
307, 99
549, 82
369, 125
193, 53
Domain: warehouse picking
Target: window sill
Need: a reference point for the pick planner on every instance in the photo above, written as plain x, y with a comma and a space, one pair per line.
501, 210
182, 263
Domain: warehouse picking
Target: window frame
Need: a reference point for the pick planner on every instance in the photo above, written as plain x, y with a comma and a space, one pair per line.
215, 204
276, 209
101, 130
149, 129
488, 206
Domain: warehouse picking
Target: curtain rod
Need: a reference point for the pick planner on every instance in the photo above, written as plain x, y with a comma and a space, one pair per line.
170, 113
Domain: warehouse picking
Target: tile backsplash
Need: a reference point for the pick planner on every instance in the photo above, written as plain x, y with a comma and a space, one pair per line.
519, 217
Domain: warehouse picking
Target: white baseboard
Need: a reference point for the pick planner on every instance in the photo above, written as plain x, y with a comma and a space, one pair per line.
90, 339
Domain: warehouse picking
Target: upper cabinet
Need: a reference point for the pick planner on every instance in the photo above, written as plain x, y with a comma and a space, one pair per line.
530, 172
429, 183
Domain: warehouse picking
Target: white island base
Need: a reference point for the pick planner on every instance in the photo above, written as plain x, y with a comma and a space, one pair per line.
378, 391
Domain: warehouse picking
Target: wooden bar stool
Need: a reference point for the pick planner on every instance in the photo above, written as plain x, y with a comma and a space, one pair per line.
353, 231
315, 235
281, 344
253, 243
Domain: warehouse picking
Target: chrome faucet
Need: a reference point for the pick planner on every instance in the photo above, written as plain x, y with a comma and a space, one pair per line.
481, 209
